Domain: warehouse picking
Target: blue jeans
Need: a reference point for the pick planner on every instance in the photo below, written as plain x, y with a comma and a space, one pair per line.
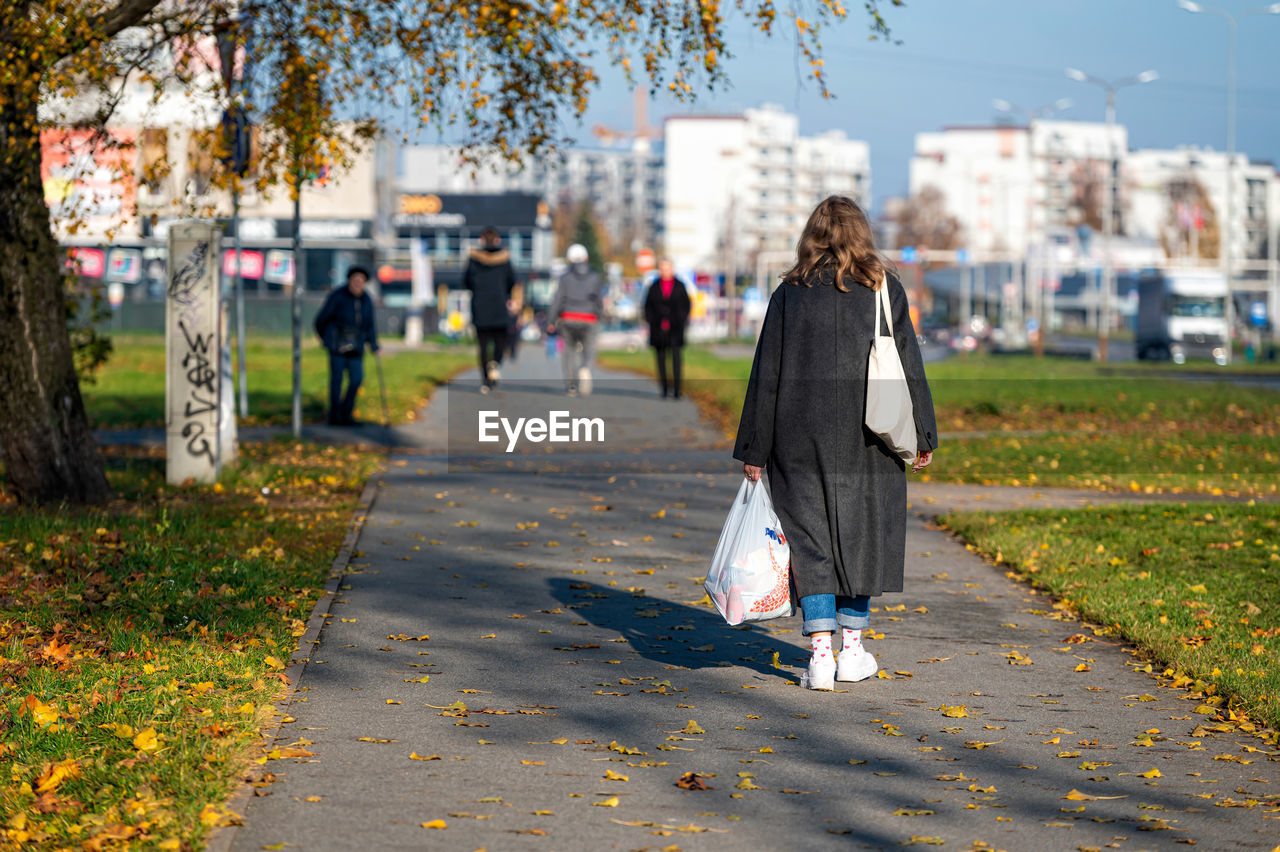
342, 405
824, 613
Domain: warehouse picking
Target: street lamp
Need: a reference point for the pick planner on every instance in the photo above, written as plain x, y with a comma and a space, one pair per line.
1108, 211
1228, 224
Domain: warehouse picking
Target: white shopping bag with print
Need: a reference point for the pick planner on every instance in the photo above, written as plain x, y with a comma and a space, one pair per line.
750, 574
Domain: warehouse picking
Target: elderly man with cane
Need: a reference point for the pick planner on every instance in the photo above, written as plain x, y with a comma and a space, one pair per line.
346, 325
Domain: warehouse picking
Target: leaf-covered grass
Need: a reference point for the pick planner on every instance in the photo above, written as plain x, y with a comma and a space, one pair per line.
1054, 422
1196, 586
128, 392
140, 642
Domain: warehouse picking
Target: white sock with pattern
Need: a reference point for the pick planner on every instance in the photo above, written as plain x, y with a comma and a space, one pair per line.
821, 646
851, 641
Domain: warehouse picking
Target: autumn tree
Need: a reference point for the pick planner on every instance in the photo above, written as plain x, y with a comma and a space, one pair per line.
586, 232
504, 71
1189, 205
923, 221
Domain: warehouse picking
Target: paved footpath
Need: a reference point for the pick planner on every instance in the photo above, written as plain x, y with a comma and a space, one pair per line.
573, 674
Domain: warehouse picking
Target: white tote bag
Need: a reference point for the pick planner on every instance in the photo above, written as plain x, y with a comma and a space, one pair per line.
890, 413
750, 574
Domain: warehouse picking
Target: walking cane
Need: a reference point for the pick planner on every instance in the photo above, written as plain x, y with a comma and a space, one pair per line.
382, 391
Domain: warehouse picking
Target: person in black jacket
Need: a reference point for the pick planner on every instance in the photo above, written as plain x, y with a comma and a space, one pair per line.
345, 325
490, 278
666, 310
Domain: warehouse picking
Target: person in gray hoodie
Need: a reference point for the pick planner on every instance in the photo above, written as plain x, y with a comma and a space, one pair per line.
575, 314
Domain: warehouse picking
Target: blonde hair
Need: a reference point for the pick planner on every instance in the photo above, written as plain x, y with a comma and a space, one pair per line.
838, 237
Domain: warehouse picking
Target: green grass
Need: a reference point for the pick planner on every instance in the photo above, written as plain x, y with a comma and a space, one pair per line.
1195, 586
1060, 422
140, 642
128, 392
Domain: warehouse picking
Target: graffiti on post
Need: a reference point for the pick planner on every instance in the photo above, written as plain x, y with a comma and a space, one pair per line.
193, 349
182, 289
200, 377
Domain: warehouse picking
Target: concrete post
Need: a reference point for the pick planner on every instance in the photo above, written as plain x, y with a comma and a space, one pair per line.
193, 354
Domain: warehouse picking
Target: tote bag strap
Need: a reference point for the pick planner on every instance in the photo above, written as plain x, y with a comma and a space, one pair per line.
882, 295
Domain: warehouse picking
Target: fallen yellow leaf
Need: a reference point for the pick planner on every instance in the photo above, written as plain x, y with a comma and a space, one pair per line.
610, 775
435, 823
55, 773
611, 802
146, 740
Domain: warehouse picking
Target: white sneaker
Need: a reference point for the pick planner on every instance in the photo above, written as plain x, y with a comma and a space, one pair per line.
853, 667
491, 372
584, 381
821, 674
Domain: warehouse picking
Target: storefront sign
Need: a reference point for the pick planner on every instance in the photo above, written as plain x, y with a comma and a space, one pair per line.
426, 211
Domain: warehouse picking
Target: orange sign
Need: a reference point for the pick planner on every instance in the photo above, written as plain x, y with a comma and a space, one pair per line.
645, 260
413, 205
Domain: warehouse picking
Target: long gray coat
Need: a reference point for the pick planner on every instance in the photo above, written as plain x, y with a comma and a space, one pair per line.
839, 492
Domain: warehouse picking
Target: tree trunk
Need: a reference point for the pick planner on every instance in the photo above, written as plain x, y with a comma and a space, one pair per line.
45, 441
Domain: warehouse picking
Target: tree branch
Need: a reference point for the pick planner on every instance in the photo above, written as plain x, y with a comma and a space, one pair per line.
125, 14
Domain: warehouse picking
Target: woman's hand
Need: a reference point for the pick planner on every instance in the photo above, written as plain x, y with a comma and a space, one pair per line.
922, 460
752, 472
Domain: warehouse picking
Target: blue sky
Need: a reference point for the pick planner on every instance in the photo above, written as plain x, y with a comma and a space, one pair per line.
956, 56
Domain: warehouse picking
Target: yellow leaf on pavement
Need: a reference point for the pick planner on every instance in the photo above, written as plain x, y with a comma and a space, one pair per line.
610, 775
1077, 796
611, 802
693, 728
1152, 773
435, 823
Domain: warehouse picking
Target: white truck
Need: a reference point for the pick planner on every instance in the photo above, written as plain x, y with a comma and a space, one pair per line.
1182, 313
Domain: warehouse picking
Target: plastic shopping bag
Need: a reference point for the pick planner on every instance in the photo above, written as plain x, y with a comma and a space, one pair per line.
750, 574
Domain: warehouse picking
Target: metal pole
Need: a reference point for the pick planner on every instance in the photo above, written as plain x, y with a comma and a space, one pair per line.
296, 300
1226, 232
241, 376
1273, 269
1108, 214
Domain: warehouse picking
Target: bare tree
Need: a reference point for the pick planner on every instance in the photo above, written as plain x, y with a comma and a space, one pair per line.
923, 221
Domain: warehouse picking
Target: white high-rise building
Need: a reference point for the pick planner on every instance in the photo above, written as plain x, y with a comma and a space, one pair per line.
1157, 176
736, 185
1008, 185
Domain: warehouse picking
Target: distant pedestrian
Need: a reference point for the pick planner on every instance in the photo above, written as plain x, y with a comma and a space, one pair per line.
575, 312
839, 491
666, 310
490, 278
346, 326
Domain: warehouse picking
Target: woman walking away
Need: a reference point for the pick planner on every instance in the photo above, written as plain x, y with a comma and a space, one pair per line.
490, 278
839, 491
666, 310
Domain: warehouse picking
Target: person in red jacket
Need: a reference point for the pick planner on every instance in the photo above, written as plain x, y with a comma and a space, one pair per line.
666, 310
